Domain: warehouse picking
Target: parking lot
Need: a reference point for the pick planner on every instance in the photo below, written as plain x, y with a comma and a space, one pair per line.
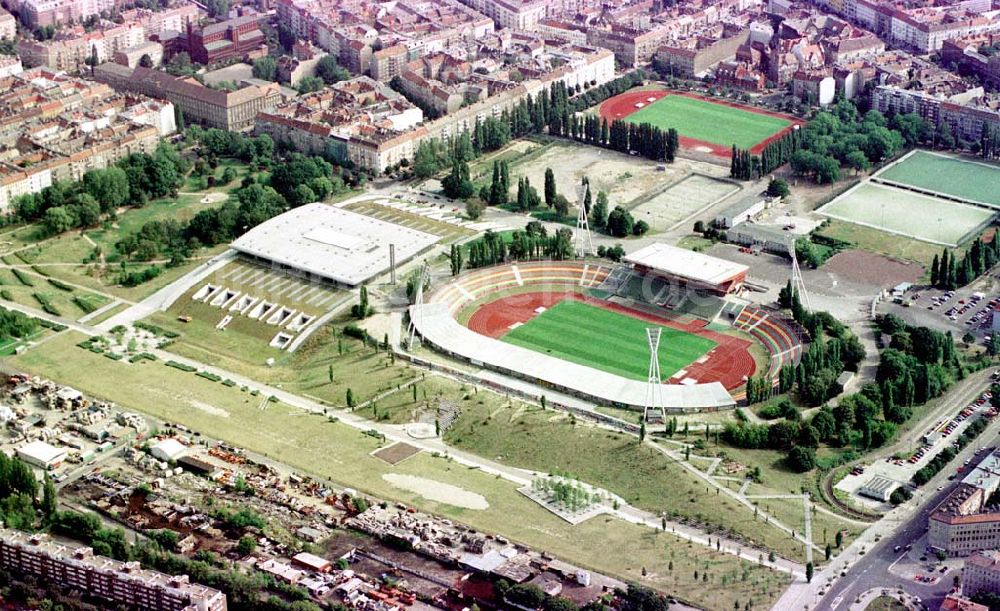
966, 310
901, 466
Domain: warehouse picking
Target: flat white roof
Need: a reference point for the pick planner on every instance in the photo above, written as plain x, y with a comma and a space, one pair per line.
41, 452
437, 326
333, 243
168, 449
685, 263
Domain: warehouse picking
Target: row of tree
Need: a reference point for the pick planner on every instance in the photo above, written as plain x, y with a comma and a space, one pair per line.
947, 272
745, 166
532, 243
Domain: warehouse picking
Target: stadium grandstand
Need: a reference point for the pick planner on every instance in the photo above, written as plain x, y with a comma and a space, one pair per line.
668, 265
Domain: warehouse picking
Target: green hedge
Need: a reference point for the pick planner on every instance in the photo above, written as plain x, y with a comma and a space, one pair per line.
59, 284
5, 294
84, 305
142, 356
209, 376
46, 304
40, 271
156, 330
181, 366
228, 382
114, 356
22, 277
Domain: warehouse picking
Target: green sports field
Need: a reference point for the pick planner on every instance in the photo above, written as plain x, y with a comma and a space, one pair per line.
709, 122
605, 340
971, 180
908, 213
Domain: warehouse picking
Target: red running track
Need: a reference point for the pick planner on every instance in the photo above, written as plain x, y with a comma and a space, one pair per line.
622, 105
729, 362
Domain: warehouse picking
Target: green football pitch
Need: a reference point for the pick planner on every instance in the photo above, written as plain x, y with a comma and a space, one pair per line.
953, 176
605, 340
709, 122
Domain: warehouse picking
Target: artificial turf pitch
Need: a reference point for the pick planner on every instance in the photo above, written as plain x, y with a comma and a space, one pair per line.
971, 180
606, 340
709, 122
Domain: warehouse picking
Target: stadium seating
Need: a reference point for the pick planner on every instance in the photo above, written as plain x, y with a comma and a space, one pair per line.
478, 284
778, 335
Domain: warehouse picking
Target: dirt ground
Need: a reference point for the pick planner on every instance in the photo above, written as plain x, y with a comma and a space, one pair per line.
627, 180
868, 268
396, 453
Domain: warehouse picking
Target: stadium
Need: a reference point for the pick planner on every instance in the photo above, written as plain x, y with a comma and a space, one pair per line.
703, 124
579, 328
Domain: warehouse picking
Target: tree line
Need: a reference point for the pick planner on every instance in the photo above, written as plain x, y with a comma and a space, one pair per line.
949, 273
133, 181
534, 242
743, 165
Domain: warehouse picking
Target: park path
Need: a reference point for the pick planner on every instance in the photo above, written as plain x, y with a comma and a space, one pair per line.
518, 476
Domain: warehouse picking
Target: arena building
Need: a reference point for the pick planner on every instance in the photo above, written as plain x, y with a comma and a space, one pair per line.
331, 245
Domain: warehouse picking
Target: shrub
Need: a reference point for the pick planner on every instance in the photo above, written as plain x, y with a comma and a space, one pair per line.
22, 277
46, 304
180, 366
209, 376
84, 305
59, 284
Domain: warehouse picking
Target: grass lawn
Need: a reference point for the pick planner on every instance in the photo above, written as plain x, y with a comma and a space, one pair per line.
906, 213
964, 178
881, 242
315, 445
606, 340
886, 603
306, 371
70, 304
709, 122
543, 440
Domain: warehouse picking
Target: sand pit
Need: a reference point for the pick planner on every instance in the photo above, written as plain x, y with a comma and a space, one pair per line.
211, 410
212, 198
437, 491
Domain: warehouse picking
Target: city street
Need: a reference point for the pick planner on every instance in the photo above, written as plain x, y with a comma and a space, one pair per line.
866, 563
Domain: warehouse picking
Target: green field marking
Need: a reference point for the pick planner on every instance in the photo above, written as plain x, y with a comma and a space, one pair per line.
606, 340
907, 213
709, 122
971, 180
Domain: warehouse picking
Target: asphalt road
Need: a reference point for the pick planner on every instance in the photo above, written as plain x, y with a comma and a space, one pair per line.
872, 570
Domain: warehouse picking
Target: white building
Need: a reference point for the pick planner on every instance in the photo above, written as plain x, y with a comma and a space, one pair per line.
168, 450
41, 454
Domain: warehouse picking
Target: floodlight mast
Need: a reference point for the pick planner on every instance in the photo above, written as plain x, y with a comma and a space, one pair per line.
654, 408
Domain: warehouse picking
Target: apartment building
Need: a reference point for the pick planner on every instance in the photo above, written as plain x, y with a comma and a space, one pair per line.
962, 524
229, 110
124, 583
692, 56
8, 25
72, 49
43, 13
981, 573
55, 127
513, 14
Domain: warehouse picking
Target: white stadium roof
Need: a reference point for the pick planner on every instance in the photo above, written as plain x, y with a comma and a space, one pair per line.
437, 326
685, 263
333, 243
